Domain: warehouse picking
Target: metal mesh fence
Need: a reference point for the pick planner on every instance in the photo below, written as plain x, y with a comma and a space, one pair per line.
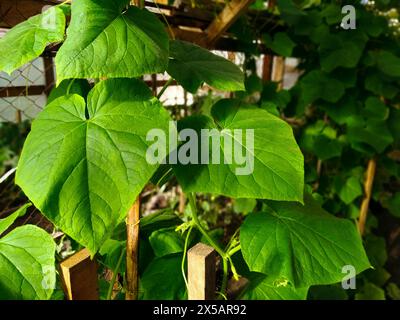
23, 93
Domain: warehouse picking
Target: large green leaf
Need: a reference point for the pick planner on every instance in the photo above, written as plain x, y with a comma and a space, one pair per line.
162, 279
303, 245
318, 85
84, 166
348, 189
166, 241
103, 40
262, 288
192, 65
27, 268
277, 161
281, 44
341, 50
8, 221
389, 64
27, 40
371, 132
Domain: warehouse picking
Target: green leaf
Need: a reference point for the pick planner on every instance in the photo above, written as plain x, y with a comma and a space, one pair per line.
376, 109
79, 86
244, 205
348, 190
166, 241
318, 85
304, 245
377, 276
376, 250
27, 261
393, 291
105, 40
192, 66
27, 40
162, 280
341, 50
84, 171
111, 252
8, 221
282, 44
364, 131
381, 87
370, 292
320, 139
389, 64
262, 288
277, 169
158, 220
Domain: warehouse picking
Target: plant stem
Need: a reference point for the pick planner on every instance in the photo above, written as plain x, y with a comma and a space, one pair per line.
184, 257
193, 207
114, 277
368, 184
224, 282
232, 251
166, 85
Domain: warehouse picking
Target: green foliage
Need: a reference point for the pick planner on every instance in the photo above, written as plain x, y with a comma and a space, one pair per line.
192, 66
278, 162
316, 244
157, 282
84, 161
85, 158
28, 40
26, 261
90, 48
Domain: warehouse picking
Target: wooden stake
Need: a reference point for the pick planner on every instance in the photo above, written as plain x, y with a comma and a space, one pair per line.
132, 250
201, 272
369, 181
225, 19
79, 277
278, 71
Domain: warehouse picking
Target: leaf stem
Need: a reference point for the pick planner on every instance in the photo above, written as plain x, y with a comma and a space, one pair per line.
195, 217
225, 257
224, 282
232, 251
184, 257
166, 85
114, 277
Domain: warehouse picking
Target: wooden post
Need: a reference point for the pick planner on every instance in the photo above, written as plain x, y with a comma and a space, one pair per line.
278, 71
132, 239
79, 277
132, 250
267, 67
225, 19
201, 272
369, 181
48, 73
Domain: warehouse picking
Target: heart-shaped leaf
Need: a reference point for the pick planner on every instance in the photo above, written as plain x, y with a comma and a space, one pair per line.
83, 167
192, 66
103, 40
272, 170
27, 40
303, 245
27, 269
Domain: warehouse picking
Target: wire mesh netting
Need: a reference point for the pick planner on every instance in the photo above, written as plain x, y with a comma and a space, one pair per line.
23, 93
